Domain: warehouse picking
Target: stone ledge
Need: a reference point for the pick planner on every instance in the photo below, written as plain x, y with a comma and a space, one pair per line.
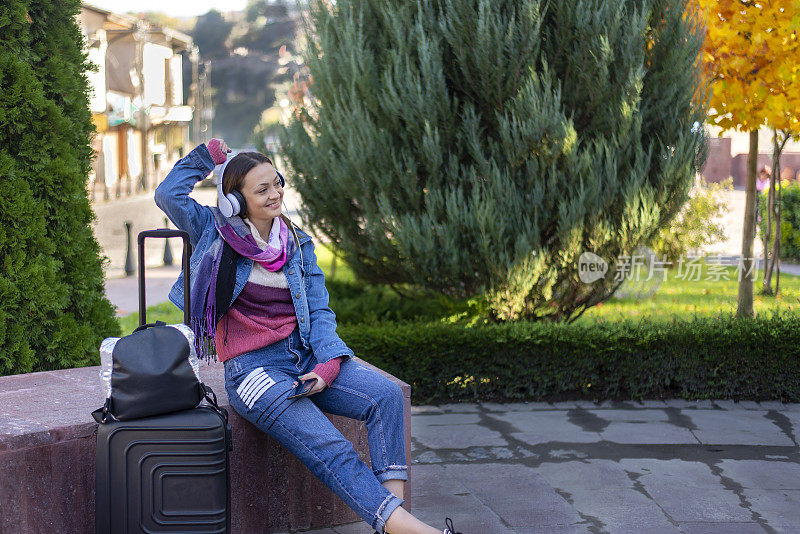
47, 459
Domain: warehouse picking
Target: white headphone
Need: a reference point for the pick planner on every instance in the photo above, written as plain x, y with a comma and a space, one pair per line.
233, 203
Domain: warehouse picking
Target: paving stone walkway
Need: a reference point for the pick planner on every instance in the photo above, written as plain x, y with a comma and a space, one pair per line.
615, 467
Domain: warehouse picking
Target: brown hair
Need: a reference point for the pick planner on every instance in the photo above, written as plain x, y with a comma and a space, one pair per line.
237, 169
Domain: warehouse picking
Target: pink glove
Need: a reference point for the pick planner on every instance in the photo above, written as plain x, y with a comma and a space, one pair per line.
217, 154
328, 371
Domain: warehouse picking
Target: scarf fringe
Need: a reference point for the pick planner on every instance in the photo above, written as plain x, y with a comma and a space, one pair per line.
204, 333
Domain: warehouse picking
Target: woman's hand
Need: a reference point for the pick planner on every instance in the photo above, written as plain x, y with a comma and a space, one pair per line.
219, 150
319, 386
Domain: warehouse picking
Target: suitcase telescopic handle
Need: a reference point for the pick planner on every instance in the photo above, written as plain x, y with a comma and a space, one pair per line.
187, 253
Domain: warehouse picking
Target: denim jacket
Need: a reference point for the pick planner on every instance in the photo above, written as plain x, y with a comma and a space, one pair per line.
315, 320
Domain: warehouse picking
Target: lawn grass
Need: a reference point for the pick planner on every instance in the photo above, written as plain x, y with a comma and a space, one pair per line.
337, 270
704, 294
702, 298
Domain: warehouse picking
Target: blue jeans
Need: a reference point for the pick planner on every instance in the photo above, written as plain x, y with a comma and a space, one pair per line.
258, 384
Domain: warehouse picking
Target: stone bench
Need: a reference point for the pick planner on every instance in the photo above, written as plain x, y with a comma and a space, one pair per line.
47, 460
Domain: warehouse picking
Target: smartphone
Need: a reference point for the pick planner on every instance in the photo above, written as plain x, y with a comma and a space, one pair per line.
302, 388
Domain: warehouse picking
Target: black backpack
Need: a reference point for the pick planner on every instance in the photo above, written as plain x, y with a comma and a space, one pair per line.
155, 369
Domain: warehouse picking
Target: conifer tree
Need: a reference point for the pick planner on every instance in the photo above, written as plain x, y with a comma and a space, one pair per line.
53, 312
479, 147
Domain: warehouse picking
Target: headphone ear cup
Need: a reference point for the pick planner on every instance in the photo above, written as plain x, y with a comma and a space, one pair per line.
233, 202
225, 207
283, 182
240, 205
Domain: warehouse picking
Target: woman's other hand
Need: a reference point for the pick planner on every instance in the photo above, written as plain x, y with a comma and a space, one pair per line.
325, 373
219, 150
319, 386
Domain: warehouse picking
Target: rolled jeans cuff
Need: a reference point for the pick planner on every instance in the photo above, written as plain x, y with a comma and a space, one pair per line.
386, 508
393, 472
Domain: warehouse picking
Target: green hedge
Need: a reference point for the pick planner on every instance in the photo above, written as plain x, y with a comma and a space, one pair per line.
720, 358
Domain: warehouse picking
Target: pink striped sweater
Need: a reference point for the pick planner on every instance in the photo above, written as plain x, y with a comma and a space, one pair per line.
262, 314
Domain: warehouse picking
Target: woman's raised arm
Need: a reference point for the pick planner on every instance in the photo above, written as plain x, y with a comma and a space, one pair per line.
172, 195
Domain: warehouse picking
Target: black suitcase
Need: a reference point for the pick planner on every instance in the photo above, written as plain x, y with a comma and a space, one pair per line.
166, 473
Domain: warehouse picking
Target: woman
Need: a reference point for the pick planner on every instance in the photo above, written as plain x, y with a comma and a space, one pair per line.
259, 302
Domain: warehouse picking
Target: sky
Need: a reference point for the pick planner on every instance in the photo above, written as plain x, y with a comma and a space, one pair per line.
174, 8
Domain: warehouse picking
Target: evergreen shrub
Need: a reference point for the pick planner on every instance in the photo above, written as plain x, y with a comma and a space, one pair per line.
478, 147
53, 312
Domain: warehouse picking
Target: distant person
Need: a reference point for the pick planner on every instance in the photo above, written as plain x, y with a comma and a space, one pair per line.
259, 302
762, 181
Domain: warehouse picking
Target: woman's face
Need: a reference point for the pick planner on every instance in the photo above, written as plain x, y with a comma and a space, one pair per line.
263, 192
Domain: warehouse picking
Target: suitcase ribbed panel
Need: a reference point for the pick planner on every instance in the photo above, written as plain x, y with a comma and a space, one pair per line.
162, 474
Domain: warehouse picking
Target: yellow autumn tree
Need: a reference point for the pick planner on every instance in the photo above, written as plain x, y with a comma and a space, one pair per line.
751, 58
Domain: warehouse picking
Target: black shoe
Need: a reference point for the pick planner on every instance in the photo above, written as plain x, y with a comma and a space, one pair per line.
450, 529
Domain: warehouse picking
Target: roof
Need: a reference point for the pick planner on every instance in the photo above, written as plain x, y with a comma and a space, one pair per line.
119, 22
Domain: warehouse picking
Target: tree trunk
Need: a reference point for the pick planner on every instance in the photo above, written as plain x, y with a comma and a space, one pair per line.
745, 299
774, 264
779, 146
777, 253
769, 261
776, 176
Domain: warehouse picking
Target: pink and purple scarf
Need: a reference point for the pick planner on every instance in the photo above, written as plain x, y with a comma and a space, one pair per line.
236, 233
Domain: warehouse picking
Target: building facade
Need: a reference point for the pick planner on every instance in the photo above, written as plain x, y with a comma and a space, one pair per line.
137, 101
727, 157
